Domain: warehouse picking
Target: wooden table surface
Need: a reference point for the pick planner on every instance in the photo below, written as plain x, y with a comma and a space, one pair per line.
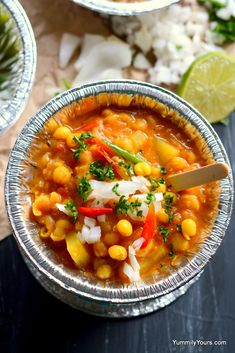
31, 320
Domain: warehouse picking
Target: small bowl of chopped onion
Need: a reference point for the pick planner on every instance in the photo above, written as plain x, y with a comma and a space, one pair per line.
89, 201
17, 61
125, 7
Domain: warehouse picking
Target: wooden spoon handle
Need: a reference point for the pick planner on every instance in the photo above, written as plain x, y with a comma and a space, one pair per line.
198, 176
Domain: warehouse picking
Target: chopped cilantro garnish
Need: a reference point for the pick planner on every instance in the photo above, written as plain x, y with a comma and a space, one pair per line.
123, 206
81, 146
128, 166
168, 204
150, 198
114, 189
155, 183
71, 207
84, 188
165, 232
172, 252
139, 213
99, 170
163, 170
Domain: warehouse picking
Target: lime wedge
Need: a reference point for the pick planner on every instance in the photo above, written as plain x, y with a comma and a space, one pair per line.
209, 85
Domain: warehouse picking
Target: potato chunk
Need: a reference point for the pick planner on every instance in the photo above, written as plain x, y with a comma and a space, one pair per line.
77, 250
164, 150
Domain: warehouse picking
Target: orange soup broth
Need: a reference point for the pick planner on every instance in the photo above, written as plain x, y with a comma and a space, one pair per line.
134, 130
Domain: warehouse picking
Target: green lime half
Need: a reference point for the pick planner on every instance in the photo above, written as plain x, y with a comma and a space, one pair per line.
209, 85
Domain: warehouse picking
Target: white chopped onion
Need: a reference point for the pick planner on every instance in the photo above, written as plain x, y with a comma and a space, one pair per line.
62, 208
138, 243
140, 62
176, 35
88, 43
103, 190
101, 218
69, 43
143, 39
133, 276
85, 232
89, 222
94, 235
144, 181
110, 54
134, 263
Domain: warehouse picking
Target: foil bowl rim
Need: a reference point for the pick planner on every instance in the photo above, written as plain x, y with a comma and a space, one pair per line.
126, 293
29, 53
110, 7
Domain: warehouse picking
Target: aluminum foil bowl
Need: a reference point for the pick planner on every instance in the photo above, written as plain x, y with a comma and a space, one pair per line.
13, 97
124, 8
75, 289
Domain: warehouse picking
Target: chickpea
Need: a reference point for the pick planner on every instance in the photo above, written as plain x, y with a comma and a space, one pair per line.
117, 252
142, 169
189, 228
171, 195
61, 133
138, 139
61, 175
162, 216
70, 139
141, 124
190, 201
124, 227
177, 163
104, 271
55, 197
125, 143
41, 205
45, 159
156, 172
111, 238
188, 155
100, 249
86, 157
161, 188
62, 227
106, 112
180, 243
51, 125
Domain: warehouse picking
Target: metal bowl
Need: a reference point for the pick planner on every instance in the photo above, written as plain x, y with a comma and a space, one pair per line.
75, 289
124, 8
24, 68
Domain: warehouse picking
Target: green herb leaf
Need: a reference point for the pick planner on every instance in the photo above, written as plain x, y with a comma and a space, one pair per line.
71, 207
114, 189
165, 232
81, 146
139, 213
128, 166
163, 170
155, 183
150, 198
168, 204
123, 206
99, 170
84, 188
